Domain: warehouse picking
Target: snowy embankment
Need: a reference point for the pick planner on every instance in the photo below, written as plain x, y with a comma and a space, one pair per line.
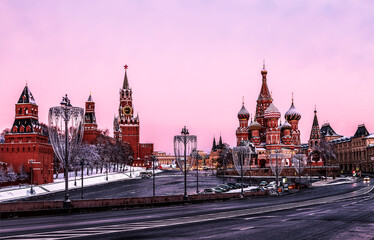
23, 191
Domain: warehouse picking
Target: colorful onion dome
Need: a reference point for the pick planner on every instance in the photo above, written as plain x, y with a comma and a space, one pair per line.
254, 126
286, 125
243, 113
292, 113
272, 112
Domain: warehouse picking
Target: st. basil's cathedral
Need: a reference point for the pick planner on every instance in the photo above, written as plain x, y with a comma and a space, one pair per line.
265, 131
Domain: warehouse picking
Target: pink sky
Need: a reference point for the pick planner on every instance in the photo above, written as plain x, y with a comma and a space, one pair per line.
190, 62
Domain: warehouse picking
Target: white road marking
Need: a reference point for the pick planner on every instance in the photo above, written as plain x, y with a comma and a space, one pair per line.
259, 217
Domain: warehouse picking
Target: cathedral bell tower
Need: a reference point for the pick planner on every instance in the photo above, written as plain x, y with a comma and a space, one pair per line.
263, 102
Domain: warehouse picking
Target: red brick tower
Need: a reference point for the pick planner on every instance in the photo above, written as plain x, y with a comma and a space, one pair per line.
263, 102
293, 117
27, 140
242, 132
272, 115
90, 126
315, 133
128, 124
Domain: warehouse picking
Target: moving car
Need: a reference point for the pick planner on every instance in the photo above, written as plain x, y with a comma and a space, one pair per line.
366, 179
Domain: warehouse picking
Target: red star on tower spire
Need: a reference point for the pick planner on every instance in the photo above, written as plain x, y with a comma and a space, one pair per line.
126, 66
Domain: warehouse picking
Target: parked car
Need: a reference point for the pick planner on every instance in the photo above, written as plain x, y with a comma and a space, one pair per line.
224, 186
285, 187
366, 179
207, 191
233, 185
263, 183
218, 190
144, 175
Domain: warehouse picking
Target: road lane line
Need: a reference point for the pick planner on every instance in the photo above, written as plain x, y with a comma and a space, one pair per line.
197, 218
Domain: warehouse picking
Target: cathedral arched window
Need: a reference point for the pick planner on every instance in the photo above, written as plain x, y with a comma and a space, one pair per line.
28, 129
14, 129
19, 111
22, 129
26, 111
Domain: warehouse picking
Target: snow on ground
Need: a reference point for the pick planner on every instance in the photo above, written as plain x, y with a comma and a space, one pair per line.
23, 191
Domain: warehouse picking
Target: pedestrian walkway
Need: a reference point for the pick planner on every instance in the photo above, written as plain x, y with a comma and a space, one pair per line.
24, 191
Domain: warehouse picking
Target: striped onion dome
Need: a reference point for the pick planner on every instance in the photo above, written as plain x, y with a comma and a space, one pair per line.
272, 112
243, 113
292, 114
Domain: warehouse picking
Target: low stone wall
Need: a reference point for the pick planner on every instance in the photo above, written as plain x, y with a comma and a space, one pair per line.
31, 208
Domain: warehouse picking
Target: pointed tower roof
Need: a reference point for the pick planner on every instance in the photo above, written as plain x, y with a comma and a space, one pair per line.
361, 131
90, 98
272, 112
264, 93
125, 80
315, 132
214, 148
26, 96
327, 131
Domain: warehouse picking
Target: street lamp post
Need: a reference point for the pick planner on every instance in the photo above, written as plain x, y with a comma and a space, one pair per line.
310, 171
106, 171
31, 161
82, 165
65, 132
184, 144
196, 156
154, 185
185, 133
276, 168
241, 158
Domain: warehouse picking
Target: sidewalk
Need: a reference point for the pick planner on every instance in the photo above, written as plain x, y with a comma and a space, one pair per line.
23, 191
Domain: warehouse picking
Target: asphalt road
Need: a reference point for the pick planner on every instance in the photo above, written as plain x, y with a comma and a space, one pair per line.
167, 183
335, 212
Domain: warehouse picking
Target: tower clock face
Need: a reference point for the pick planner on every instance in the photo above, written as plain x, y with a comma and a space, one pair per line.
127, 110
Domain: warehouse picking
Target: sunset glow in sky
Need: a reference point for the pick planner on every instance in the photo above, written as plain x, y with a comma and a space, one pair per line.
191, 62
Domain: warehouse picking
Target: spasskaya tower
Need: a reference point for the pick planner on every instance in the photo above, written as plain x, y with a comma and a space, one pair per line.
126, 125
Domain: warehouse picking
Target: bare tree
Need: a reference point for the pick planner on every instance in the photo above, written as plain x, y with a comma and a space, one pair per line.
327, 152
22, 174
2, 135
3, 176
12, 176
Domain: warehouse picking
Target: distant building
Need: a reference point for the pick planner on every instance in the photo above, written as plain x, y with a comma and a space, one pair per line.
355, 153
28, 141
164, 159
126, 126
